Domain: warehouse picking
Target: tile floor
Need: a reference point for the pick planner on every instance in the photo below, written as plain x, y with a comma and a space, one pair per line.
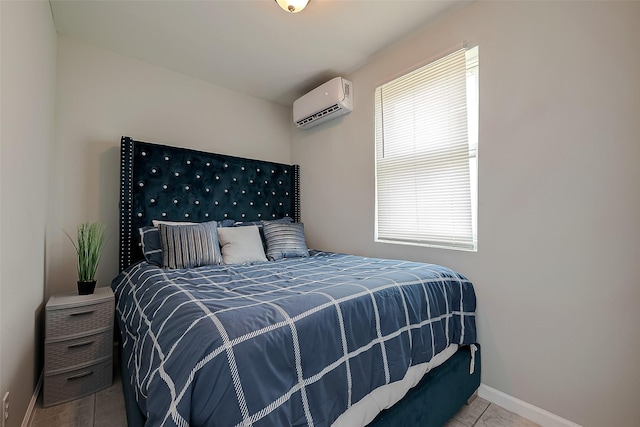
106, 409
482, 413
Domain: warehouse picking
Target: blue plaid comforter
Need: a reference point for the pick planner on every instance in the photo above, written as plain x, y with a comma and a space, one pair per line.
288, 343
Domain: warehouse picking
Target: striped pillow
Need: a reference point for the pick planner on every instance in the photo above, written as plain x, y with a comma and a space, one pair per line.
193, 245
285, 240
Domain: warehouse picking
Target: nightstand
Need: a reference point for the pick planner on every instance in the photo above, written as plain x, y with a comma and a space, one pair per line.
78, 347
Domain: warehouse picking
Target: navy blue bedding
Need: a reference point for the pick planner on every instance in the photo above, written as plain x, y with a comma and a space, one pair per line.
291, 342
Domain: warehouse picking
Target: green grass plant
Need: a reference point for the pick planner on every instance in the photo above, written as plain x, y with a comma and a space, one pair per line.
89, 245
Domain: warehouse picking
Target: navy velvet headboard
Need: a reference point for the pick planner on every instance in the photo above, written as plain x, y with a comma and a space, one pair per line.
178, 184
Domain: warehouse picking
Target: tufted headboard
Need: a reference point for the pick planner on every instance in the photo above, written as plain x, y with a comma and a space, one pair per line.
178, 184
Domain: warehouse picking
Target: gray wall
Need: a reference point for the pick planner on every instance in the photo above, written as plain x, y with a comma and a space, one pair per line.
557, 270
102, 96
27, 132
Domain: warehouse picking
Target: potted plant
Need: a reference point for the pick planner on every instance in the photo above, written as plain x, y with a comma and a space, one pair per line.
89, 246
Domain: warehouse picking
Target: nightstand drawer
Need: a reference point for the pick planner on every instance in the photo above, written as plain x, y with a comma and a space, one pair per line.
82, 319
77, 383
78, 351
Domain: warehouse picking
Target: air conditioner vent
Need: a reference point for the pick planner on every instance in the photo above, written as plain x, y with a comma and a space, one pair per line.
319, 115
328, 101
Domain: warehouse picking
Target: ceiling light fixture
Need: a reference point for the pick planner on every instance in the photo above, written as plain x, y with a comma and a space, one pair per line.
292, 6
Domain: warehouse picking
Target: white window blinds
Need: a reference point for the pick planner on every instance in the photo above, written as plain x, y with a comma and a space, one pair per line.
426, 154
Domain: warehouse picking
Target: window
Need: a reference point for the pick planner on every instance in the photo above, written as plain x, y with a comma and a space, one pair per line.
427, 154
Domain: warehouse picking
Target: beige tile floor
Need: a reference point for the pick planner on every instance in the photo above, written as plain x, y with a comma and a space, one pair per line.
106, 409
482, 413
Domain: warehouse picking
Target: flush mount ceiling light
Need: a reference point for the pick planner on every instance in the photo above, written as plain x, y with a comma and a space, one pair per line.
293, 6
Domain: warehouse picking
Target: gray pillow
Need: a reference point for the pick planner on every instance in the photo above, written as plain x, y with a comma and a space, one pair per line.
241, 245
285, 240
190, 245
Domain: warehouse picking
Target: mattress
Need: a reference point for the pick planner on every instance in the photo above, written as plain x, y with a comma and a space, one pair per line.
293, 342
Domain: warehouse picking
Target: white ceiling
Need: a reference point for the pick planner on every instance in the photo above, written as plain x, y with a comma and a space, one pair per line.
251, 46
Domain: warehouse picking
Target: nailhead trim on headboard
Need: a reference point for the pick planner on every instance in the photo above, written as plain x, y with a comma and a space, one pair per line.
126, 201
178, 184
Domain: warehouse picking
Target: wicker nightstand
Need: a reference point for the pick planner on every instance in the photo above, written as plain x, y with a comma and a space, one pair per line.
78, 347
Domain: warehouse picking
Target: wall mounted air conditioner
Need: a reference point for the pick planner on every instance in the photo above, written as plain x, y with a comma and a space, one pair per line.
328, 101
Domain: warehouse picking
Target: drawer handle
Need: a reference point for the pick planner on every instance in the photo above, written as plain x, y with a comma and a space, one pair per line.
82, 375
81, 313
80, 344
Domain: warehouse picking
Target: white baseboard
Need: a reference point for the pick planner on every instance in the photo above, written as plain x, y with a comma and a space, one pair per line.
524, 409
28, 416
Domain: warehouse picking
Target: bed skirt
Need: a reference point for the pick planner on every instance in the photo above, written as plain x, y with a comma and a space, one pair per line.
436, 398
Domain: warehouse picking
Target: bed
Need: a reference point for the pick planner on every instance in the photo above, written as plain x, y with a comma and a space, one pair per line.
306, 338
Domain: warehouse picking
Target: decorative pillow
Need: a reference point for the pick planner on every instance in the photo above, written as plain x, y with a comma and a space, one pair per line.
241, 245
285, 240
151, 245
191, 245
226, 223
259, 224
157, 222
222, 223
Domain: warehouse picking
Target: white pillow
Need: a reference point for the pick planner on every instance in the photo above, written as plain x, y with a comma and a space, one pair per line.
241, 245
